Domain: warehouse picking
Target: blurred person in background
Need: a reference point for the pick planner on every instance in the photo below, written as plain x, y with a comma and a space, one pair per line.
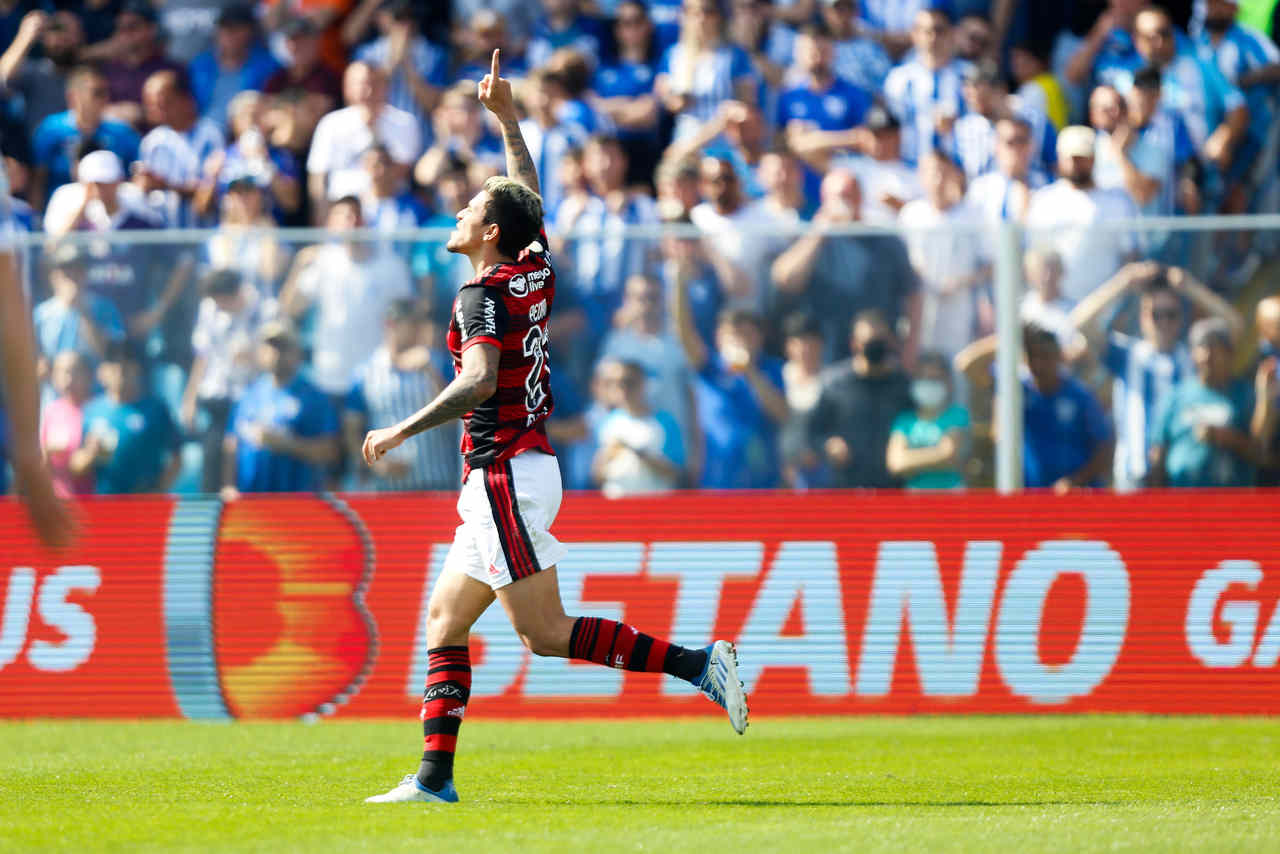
481, 31
61, 136
342, 137
1201, 434
1146, 369
738, 133
858, 58
925, 92
459, 134
172, 155
563, 25
306, 76
223, 342
391, 386
974, 136
416, 69
887, 182
1038, 87
188, 26
835, 277
558, 117
388, 205
1004, 193
1107, 54
687, 261
928, 444
246, 240
849, 426
62, 422
1043, 303
74, 319
802, 385
131, 443
35, 66
252, 153
238, 61
949, 263
350, 284
1067, 440
757, 28
736, 234
284, 431
1072, 214
624, 90
134, 52
1268, 406
641, 450
893, 22
702, 69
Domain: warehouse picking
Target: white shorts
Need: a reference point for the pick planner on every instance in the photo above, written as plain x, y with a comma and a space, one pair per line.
507, 510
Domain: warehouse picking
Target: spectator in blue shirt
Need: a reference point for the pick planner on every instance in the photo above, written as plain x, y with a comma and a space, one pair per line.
624, 88
74, 318
702, 70
237, 62
563, 25
925, 92
1067, 438
820, 100
62, 137
284, 431
130, 438
858, 58
1107, 55
1201, 434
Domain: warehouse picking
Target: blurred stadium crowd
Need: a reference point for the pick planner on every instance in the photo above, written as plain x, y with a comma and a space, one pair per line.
758, 345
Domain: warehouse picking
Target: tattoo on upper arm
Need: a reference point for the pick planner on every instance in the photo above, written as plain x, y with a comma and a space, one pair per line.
519, 160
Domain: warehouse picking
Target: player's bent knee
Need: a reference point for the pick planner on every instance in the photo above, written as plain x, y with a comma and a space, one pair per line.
445, 629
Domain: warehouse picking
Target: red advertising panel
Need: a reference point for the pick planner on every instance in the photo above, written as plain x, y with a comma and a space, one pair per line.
851, 602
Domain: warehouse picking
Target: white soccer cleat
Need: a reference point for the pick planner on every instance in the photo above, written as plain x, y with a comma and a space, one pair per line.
720, 683
411, 790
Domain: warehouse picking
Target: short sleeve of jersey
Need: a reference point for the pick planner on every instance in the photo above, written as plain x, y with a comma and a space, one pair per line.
481, 316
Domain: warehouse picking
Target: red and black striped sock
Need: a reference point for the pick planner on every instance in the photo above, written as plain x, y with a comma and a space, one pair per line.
443, 704
615, 644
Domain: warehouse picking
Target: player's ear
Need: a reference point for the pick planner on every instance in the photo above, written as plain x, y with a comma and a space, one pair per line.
491, 232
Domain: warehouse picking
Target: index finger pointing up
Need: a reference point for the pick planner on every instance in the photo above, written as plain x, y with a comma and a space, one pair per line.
494, 68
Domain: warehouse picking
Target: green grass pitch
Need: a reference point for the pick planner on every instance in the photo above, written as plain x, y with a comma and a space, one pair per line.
809, 785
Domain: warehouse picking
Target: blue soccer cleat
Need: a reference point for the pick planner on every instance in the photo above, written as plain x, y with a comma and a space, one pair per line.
720, 683
411, 790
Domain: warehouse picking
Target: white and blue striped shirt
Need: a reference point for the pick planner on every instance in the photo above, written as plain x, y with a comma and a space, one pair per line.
1142, 376
893, 16
177, 157
386, 394
974, 141
863, 62
992, 194
917, 96
430, 62
710, 81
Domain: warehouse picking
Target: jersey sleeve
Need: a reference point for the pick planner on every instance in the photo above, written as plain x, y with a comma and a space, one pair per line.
482, 316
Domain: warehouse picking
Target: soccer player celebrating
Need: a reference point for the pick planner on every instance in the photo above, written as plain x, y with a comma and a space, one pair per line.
20, 391
511, 483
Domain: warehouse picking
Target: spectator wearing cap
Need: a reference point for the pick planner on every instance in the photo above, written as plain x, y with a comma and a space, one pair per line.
819, 100
130, 439
74, 319
624, 87
562, 24
39, 77
1038, 86
950, 264
252, 156
306, 77
342, 137
886, 181
132, 54
350, 284
1249, 60
1149, 152
246, 240
850, 425
1073, 214
62, 422
641, 451
173, 153
857, 58
837, 277
1147, 368
84, 124
416, 69
223, 342
893, 22
392, 386
1200, 436
283, 431
929, 442
986, 101
925, 91
238, 61
1004, 192
702, 69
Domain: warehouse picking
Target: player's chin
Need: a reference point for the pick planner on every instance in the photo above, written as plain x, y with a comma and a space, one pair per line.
454, 243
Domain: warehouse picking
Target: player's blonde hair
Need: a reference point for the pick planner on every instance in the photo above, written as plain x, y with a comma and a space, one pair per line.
516, 209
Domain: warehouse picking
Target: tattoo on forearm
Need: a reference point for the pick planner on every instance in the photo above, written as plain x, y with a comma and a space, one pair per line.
458, 398
519, 161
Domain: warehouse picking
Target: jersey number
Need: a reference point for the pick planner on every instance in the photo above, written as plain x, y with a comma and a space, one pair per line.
535, 347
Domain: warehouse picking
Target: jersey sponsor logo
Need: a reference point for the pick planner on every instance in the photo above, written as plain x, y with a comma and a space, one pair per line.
519, 286
523, 284
444, 689
490, 316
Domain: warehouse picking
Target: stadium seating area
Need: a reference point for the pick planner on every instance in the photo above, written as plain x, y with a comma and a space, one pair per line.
723, 318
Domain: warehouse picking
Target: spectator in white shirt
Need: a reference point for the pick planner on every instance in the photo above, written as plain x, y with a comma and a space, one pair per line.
887, 182
342, 136
1004, 193
641, 451
350, 284
1043, 304
1076, 217
949, 262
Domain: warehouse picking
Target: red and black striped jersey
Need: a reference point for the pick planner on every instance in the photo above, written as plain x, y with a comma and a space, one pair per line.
508, 307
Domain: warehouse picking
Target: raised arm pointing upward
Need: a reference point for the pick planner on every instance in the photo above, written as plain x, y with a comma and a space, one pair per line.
495, 94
